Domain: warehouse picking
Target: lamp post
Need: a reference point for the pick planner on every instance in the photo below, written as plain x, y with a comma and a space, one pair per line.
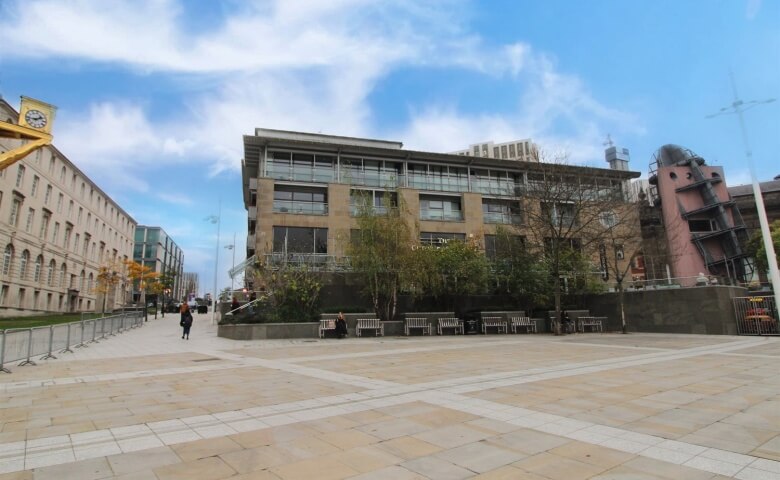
737, 107
215, 219
233, 248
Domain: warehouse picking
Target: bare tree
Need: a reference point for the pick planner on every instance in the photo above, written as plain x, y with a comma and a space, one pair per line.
565, 210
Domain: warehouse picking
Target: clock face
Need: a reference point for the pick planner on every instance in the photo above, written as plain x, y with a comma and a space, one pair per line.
35, 118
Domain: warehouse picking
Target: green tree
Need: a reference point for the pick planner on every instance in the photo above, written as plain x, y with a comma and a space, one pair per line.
379, 252
294, 291
519, 272
449, 272
756, 246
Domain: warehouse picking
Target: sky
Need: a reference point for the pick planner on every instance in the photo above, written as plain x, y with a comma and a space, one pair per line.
154, 96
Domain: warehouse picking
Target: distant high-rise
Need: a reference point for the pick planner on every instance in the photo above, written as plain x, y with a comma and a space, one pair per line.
524, 150
156, 250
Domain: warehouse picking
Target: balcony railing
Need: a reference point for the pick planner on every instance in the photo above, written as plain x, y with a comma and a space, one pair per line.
438, 183
452, 216
301, 174
354, 210
496, 188
305, 208
313, 261
382, 179
498, 217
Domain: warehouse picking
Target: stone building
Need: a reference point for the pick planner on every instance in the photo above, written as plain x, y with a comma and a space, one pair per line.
301, 192
57, 229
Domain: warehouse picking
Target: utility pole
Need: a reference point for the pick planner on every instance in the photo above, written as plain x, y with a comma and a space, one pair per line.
738, 107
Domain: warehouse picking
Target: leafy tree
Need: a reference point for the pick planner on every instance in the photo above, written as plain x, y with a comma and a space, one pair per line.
564, 210
519, 272
143, 275
756, 246
294, 291
379, 253
449, 271
108, 276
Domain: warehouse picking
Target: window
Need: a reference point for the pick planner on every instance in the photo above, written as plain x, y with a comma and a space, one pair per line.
60, 200
23, 261
440, 208
66, 241
82, 190
56, 232
561, 214
312, 201
63, 275
70, 209
502, 246
36, 181
51, 163
44, 225
48, 195
300, 240
90, 280
87, 238
37, 271
20, 176
8, 258
504, 153
63, 174
78, 219
30, 218
15, 206
701, 225
73, 183
498, 211
378, 200
50, 274
439, 238
76, 243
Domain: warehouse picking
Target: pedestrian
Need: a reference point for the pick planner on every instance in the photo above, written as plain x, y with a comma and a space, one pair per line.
186, 320
341, 326
234, 304
566, 320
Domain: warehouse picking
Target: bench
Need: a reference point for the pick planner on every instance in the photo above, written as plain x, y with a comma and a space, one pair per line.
370, 324
327, 325
421, 323
490, 322
453, 323
522, 322
593, 322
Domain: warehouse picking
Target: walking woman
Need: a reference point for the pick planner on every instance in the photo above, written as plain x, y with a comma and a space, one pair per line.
186, 320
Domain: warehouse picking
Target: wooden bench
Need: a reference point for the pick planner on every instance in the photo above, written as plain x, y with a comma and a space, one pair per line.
327, 325
416, 322
593, 322
522, 322
449, 323
370, 324
490, 322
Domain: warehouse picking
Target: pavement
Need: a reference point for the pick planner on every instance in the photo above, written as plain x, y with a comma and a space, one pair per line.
148, 404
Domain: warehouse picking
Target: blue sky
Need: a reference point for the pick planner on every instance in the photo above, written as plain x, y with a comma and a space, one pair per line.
154, 95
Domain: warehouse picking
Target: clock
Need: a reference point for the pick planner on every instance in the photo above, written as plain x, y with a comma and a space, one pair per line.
35, 118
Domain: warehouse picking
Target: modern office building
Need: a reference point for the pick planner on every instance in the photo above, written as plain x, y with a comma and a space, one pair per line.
301, 192
157, 251
697, 220
57, 229
190, 285
524, 150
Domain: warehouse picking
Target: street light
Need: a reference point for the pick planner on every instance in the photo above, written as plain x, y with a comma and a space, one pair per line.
232, 247
738, 106
215, 219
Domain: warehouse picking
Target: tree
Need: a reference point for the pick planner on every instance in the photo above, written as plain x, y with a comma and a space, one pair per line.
564, 211
294, 291
450, 271
379, 252
141, 274
166, 281
756, 246
108, 276
519, 272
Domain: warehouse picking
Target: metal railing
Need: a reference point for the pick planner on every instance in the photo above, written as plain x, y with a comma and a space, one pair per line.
22, 344
756, 315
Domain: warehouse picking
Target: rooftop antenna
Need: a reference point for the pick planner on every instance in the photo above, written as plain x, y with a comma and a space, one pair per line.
738, 107
608, 142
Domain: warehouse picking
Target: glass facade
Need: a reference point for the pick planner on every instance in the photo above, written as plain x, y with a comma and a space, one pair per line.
440, 208
301, 240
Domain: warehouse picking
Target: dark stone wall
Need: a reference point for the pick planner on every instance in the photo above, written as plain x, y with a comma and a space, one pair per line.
701, 310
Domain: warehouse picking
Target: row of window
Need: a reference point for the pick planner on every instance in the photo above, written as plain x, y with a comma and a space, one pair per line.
314, 241
326, 168
20, 301
41, 273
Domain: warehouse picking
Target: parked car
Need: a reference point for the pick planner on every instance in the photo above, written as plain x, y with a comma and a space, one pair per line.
173, 307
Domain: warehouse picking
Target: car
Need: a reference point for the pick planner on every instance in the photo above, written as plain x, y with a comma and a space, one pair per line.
173, 307
203, 308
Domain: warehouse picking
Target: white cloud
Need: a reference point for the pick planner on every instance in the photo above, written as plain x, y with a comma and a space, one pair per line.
175, 199
752, 8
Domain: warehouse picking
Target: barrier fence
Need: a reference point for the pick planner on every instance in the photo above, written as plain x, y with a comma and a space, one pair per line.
756, 315
23, 344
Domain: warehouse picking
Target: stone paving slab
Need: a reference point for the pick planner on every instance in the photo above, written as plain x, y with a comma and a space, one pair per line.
147, 405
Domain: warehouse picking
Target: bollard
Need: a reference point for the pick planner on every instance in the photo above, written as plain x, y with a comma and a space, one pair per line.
67, 341
103, 327
28, 361
2, 353
51, 343
111, 330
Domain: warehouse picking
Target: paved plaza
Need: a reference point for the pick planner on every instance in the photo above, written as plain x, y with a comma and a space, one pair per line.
148, 405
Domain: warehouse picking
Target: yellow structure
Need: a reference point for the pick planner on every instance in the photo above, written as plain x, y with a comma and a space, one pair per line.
35, 123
